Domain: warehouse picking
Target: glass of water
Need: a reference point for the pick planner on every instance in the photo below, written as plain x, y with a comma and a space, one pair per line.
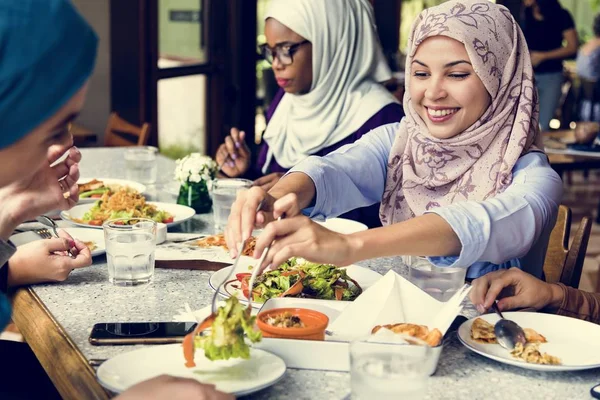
224, 193
130, 244
386, 370
439, 282
141, 164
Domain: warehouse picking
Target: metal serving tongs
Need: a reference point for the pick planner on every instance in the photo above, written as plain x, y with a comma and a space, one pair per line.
255, 273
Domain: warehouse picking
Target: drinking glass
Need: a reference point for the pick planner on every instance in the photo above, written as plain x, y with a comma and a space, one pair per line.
389, 370
141, 164
130, 245
439, 282
224, 193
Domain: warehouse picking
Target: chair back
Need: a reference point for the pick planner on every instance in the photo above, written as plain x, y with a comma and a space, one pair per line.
121, 133
564, 264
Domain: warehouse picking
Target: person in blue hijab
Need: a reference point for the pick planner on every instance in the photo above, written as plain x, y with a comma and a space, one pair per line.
47, 54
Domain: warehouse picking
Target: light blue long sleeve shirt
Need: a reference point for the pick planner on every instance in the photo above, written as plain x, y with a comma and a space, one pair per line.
511, 229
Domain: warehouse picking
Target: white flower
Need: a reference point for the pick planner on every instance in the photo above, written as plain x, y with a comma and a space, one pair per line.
195, 168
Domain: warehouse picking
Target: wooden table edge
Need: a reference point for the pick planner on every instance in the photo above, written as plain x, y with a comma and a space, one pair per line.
62, 360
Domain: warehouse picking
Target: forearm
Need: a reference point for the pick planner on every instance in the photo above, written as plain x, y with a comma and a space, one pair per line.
298, 183
426, 235
560, 53
576, 303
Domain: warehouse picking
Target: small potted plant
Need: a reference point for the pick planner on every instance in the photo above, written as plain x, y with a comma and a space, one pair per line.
194, 173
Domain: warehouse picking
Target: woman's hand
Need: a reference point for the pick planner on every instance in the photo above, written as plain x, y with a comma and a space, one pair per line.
268, 181
301, 237
47, 260
165, 387
234, 154
514, 289
51, 188
244, 217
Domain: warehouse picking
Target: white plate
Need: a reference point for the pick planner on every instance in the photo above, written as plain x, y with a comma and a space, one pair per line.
572, 340
108, 181
236, 376
364, 276
180, 213
343, 225
85, 235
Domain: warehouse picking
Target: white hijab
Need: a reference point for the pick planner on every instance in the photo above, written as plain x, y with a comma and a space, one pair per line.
347, 63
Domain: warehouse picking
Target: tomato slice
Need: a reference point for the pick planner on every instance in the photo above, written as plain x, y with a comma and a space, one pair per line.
244, 278
95, 222
96, 196
168, 220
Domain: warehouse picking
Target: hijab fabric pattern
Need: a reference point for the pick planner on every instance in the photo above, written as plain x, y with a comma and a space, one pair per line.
348, 63
424, 172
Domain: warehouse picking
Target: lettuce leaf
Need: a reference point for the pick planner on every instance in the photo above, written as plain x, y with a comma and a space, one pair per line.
226, 339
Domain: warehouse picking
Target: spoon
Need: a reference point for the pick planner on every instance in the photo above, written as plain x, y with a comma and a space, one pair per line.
42, 219
508, 333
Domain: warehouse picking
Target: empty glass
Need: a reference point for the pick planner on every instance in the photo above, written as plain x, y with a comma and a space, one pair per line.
141, 164
224, 193
130, 245
385, 370
439, 282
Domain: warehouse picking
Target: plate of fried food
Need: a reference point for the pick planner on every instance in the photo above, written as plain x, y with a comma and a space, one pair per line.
93, 239
554, 342
92, 189
125, 203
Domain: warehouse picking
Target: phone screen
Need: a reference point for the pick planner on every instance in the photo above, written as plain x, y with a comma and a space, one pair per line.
140, 332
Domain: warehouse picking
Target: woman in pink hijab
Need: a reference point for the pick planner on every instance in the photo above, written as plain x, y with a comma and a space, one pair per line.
461, 178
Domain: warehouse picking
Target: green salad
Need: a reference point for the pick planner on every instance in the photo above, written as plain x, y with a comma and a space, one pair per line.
226, 339
300, 278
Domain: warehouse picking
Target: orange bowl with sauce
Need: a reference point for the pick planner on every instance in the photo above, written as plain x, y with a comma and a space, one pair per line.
314, 324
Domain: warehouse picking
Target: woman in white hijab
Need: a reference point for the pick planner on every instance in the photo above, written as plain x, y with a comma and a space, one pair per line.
328, 62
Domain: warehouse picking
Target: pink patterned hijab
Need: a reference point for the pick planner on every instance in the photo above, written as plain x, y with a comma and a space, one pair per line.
424, 172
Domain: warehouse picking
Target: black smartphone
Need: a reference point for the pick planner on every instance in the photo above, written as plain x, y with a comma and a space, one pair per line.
140, 332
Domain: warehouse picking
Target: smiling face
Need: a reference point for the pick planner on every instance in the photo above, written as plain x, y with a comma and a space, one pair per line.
445, 90
24, 158
295, 78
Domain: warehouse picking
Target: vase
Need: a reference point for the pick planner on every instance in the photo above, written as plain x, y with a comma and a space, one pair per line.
195, 195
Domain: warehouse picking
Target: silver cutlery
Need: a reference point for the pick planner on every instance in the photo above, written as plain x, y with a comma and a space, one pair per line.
255, 272
44, 233
187, 239
508, 333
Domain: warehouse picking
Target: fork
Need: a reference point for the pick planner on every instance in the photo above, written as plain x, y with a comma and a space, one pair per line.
43, 233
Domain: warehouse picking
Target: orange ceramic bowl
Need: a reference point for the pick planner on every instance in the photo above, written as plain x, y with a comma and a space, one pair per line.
314, 324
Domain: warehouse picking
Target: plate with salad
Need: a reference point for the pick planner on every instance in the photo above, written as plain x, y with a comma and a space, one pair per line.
295, 278
90, 190
126, 204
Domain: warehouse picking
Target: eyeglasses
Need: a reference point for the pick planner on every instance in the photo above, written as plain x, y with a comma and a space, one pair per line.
283, 52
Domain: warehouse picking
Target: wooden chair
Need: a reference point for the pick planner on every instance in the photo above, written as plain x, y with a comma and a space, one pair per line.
121, 133
564, 264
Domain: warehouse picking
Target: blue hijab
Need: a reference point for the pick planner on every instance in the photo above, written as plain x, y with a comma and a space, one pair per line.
47, 52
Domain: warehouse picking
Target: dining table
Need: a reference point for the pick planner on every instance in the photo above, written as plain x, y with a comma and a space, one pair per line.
56, 320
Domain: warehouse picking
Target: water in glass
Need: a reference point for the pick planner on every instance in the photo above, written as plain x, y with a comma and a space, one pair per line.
130, 252
388, 371
224, 193
141, 164
439, 282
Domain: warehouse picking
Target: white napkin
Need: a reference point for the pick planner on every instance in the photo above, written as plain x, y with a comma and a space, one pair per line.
379, 304
394, 299
196, 315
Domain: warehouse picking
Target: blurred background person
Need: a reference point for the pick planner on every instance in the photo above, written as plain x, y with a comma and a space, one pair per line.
546, 26
588, 70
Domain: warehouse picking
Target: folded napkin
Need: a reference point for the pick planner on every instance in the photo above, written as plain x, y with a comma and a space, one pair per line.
393, 299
